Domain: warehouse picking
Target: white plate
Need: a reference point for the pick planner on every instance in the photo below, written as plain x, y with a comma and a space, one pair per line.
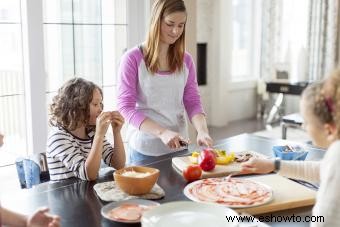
193, 198
105, 209
187, 213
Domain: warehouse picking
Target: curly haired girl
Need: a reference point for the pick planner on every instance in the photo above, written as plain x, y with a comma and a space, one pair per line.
77, 141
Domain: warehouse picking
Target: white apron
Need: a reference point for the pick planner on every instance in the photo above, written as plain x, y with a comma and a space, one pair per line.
160, 98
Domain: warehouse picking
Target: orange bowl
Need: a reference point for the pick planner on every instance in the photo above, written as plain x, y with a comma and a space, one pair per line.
136, 180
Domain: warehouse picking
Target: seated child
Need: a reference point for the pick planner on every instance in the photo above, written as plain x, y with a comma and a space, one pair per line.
320, 108
77, 140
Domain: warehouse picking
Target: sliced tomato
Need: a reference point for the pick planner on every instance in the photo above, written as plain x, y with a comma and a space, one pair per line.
192, 172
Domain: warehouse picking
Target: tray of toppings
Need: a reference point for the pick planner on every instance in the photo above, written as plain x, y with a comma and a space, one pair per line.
290, 152
214, 162
127, 211
228, 191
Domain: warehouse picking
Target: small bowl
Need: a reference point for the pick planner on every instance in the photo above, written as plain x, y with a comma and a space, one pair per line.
136, 185
298, 153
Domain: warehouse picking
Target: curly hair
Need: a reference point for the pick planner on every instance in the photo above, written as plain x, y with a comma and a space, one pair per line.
314, 100
323, 99
331, 93
70, 108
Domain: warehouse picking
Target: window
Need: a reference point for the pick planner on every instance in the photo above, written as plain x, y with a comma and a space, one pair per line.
84, 38
12, 93
292, 40
245, 39
87, 39
285, 40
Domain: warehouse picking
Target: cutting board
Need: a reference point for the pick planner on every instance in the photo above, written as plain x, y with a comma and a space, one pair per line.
180, 163
287, 195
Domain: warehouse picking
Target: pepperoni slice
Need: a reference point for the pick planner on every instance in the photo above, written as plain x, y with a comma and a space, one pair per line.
126, 212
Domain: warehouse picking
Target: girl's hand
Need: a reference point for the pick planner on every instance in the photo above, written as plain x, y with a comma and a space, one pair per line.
117, 121
43, 219
258, 165
102, 123
203, 139
171, 139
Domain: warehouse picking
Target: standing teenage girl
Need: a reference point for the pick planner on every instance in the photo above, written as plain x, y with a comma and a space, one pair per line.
158, 87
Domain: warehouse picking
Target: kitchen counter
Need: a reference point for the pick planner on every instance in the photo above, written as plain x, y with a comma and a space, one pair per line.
78, 205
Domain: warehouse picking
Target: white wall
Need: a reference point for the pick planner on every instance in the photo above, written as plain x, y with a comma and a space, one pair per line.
190, 32
223, 100
138, 20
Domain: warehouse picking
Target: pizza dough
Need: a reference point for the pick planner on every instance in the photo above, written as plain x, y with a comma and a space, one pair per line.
232, 192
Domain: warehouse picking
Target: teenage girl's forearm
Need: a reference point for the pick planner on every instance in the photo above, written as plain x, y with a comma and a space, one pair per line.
118, 158
170, 138
200, 123
151, 127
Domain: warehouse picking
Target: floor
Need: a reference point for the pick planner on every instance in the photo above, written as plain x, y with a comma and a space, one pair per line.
237, 127
8, 174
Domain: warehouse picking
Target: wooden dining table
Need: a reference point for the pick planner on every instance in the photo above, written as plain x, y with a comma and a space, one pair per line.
77, 204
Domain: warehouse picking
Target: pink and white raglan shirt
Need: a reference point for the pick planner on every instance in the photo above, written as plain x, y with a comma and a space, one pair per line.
163, 97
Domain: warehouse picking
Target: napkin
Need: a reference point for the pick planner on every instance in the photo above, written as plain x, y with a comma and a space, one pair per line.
109, 191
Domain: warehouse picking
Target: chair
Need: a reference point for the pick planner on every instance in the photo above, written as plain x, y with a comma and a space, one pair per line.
44, 174
32, 170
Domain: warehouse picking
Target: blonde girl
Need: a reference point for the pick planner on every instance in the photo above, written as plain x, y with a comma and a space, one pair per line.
320, 108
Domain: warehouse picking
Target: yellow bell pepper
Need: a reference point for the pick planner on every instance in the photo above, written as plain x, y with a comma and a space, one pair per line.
195, 154
224, 158
194, 157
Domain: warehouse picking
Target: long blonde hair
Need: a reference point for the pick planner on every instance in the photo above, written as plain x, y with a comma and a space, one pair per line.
160, 9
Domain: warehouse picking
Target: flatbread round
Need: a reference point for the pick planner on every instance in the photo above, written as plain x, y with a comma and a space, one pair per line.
231, 192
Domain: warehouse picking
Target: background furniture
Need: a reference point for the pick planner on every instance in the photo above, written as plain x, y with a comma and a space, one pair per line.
282, 88
290, 121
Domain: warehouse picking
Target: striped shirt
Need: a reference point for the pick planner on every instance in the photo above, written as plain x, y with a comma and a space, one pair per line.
66, 154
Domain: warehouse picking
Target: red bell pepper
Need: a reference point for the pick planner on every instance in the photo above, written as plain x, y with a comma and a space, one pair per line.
207, 160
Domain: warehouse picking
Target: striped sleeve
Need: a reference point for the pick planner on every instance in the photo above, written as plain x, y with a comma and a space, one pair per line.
61, 147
